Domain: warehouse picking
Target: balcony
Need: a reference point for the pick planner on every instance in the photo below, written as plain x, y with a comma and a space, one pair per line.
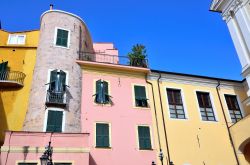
11, 79
113, 59
58, 99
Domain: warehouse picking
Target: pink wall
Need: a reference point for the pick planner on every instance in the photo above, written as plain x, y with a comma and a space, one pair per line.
28, 140
123, 118
106, 52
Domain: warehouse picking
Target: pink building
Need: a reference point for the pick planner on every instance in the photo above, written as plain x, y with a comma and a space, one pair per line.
115, 110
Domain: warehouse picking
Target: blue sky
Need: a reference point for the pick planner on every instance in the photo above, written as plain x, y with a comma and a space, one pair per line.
180, 36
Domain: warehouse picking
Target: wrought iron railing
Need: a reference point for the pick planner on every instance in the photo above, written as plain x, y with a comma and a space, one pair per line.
12, 76
113, 59
56, 98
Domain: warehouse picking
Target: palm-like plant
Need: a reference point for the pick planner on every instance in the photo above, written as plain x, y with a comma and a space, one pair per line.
137, 56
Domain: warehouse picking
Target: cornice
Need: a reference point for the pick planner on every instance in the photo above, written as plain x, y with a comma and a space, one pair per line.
195, 81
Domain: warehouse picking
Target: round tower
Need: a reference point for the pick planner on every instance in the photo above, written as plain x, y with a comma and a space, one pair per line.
55, 96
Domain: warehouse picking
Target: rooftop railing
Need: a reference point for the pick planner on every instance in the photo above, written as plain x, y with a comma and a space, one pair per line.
113, 59
56, 98
12, 78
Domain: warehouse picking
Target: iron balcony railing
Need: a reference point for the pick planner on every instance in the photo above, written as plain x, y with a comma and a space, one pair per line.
56, 98
11, 77
113, 59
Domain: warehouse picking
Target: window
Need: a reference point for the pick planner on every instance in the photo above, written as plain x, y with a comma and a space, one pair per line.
140, 96
27, 163
176, 107
144, 138
102, 135
233, 107
102, 92
205, 105
54, 121
15, 39
62, 37
57, 81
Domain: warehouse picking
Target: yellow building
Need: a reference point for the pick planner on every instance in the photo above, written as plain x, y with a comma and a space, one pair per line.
195, 118
17, 60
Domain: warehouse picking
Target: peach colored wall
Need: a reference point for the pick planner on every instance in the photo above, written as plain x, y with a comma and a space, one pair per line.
66, 147
122, 116
106, 52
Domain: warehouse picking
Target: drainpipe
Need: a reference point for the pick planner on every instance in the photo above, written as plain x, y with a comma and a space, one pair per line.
228, 131
156, 119
163, 119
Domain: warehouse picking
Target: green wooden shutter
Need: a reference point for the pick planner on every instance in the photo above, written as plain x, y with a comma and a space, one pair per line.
62, 81
102, 135
3, 66
54, 121
53, 77
62, 38
144, 137
98, 97
105, 92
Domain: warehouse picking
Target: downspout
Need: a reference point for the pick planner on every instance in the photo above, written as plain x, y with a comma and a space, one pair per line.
163, 119
156, 120
228, 131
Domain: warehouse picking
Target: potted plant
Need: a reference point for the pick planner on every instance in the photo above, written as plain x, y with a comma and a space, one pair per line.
137, 56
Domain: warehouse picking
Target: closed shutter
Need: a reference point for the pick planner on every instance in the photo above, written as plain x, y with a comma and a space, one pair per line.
54, 121
98, 98
62, 38
102, 135
144, 137
105, 92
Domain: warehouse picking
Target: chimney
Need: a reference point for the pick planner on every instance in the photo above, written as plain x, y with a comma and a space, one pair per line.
51, 7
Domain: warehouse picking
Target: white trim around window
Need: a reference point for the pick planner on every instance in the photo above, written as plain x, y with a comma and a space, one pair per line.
13, 39
46, 117
133, 96
55, 38
183, 102
212, 103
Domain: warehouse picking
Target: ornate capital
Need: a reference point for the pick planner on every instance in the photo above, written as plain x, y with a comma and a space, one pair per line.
231, 10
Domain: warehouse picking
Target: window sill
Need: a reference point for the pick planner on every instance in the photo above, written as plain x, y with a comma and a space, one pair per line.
107, 148
58, 46
144, 108
179, 119
149, 149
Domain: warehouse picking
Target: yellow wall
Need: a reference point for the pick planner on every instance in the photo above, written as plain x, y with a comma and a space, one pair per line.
14, 101
193, 141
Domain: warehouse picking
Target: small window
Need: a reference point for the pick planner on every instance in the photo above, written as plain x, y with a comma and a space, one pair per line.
102, 92
102, 135
144, 138
15, 39
54, 121
175, 103
62, 37
27, 163
233, 107
140, 96
205, 105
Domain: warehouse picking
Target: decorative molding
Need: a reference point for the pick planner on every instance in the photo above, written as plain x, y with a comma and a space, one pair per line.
179, 79
27, 149
231, 9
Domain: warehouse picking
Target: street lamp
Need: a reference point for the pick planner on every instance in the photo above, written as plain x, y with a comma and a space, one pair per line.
46, 158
